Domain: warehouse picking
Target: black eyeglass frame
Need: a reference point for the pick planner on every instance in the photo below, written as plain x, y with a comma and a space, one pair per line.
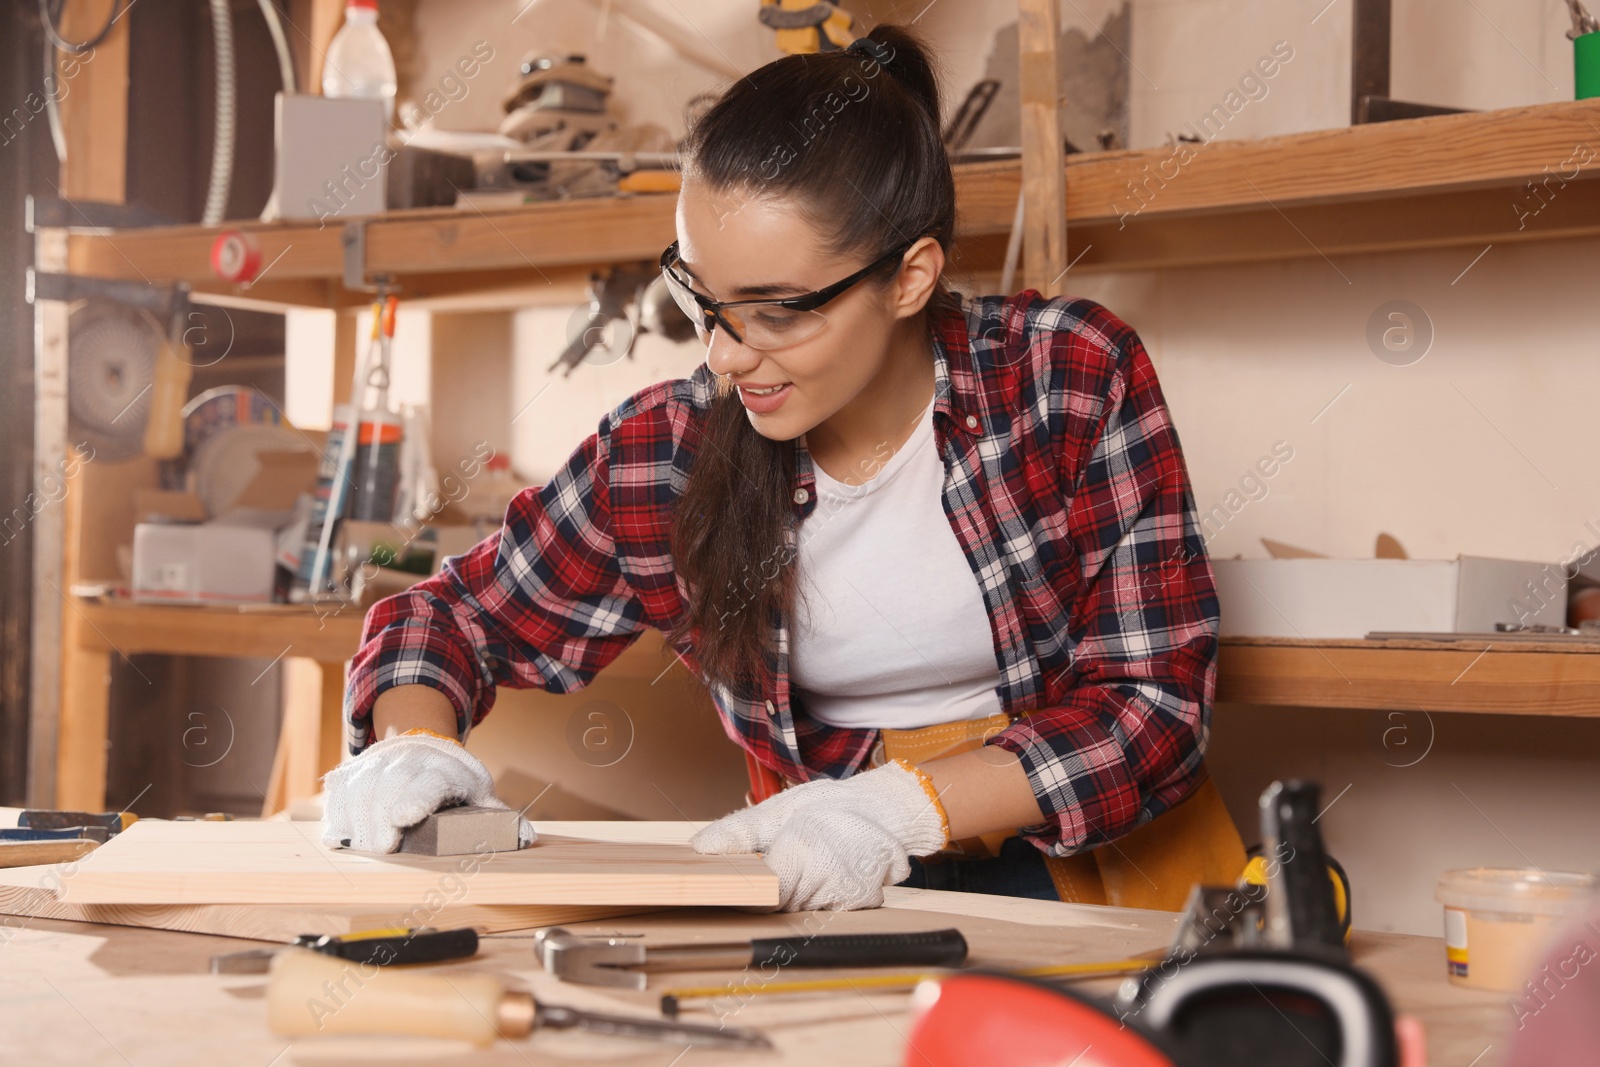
712, 309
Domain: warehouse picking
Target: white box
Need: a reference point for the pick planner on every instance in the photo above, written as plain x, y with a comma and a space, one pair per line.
202, 563
332, 158
1322, 598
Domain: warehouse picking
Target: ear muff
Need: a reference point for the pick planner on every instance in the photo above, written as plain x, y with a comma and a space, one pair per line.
1001, 1021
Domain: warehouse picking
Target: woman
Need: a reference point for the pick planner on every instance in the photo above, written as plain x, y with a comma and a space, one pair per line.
877, 520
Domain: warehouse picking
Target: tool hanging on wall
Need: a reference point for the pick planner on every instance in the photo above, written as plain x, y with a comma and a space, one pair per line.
128, 361
804, 27
610, 296
381, 435
336, 480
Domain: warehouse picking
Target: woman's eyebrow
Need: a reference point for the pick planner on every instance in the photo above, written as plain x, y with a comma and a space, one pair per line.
775, 289
751, 291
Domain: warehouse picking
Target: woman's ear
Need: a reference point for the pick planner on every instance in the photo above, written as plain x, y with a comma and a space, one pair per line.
920, 269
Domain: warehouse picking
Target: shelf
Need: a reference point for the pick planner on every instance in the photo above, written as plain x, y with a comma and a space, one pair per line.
1532, 678
269, 631
1444, 180
266, 632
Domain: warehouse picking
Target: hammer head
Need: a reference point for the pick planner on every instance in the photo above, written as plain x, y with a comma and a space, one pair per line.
590, 960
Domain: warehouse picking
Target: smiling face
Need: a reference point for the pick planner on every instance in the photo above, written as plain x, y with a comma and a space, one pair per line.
738, 248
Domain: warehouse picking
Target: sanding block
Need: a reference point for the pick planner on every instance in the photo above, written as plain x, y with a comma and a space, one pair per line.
463, 830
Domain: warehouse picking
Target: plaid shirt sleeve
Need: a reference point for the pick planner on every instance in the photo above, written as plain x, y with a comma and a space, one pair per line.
541, 604
1120, 740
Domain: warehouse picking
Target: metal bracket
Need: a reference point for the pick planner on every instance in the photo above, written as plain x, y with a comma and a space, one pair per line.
354, 239
168, 303
50, 213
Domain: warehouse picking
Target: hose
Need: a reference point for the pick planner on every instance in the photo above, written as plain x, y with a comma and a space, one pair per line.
222, 137
49, 12
269, 11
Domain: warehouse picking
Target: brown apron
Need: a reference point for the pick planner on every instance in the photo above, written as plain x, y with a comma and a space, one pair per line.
1151, 867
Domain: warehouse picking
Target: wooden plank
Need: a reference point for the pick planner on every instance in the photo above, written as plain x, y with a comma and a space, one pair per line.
1360, 189
1337, 675
305, 751
85, 721
273, 922
51, 567
1474, 644
1471, 150
158, 862
131, 628
94, 122
1044, 175
149, 995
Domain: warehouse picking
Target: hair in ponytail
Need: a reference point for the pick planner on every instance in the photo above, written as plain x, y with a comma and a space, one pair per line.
852, 139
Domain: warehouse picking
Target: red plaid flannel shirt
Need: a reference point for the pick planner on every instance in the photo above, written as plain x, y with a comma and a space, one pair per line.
1065, 487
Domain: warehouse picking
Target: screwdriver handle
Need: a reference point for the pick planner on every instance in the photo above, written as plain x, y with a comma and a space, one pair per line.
311, 993
931, 948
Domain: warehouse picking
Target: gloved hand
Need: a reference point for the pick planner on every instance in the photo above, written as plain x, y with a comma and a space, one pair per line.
835, 843
397, 783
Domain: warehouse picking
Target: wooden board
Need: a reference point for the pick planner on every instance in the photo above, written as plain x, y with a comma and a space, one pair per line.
159, 862
276, 922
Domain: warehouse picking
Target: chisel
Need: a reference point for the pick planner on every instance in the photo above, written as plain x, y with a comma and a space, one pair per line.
310, 993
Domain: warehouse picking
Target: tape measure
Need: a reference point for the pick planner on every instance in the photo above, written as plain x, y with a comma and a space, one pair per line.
1255, 873
235, 256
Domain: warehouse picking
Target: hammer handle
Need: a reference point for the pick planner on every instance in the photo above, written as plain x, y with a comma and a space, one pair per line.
932, 948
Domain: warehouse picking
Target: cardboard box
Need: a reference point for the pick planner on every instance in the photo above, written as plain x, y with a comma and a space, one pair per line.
202, 563
1342, 598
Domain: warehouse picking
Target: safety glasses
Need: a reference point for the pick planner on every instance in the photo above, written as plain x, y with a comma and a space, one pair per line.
761, 324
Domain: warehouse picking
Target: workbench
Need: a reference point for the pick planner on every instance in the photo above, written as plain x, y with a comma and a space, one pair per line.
73, 993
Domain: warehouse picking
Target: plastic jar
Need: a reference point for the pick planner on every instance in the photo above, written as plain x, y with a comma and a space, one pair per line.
1498, 919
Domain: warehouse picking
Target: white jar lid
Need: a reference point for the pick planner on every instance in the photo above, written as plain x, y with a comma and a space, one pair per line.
1525, 890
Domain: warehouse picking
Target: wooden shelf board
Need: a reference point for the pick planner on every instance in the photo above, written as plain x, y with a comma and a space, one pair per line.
1405, 675
276, 630
1441, 181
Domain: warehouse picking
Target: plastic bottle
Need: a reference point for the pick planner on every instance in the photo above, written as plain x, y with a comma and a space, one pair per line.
359, 62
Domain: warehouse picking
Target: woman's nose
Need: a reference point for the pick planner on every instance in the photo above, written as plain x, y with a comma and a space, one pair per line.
724, 355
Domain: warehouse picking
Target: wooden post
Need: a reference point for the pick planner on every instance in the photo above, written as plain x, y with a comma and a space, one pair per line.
315, 22
94, 119
1044, 169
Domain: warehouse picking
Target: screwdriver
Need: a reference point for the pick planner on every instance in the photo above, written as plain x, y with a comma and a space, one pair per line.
311, 993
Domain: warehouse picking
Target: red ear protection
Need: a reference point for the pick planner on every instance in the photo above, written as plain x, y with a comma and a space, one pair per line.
1007, 1022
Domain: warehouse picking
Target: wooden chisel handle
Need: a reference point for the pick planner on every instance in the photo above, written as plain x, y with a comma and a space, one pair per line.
310, 993
931, 948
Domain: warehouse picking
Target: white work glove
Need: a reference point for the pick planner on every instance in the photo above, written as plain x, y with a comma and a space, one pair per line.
397, 783
835, 843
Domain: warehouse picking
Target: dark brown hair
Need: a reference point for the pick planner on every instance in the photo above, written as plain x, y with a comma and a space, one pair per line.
855, 145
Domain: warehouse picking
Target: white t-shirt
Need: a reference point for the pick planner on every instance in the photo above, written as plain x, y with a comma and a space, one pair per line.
890, 628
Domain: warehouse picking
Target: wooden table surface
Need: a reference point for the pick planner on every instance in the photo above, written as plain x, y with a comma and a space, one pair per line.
81, 993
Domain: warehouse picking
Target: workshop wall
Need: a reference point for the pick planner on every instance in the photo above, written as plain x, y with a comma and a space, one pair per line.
1461, 452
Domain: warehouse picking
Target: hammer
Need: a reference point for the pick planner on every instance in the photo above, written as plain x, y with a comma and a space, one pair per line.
613, 961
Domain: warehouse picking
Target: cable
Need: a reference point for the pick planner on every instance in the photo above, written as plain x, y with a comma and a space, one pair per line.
50, 10
52, 103
269, 11
222, 136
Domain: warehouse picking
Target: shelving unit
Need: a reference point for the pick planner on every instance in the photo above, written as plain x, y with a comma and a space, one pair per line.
314, 647
1444, 180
